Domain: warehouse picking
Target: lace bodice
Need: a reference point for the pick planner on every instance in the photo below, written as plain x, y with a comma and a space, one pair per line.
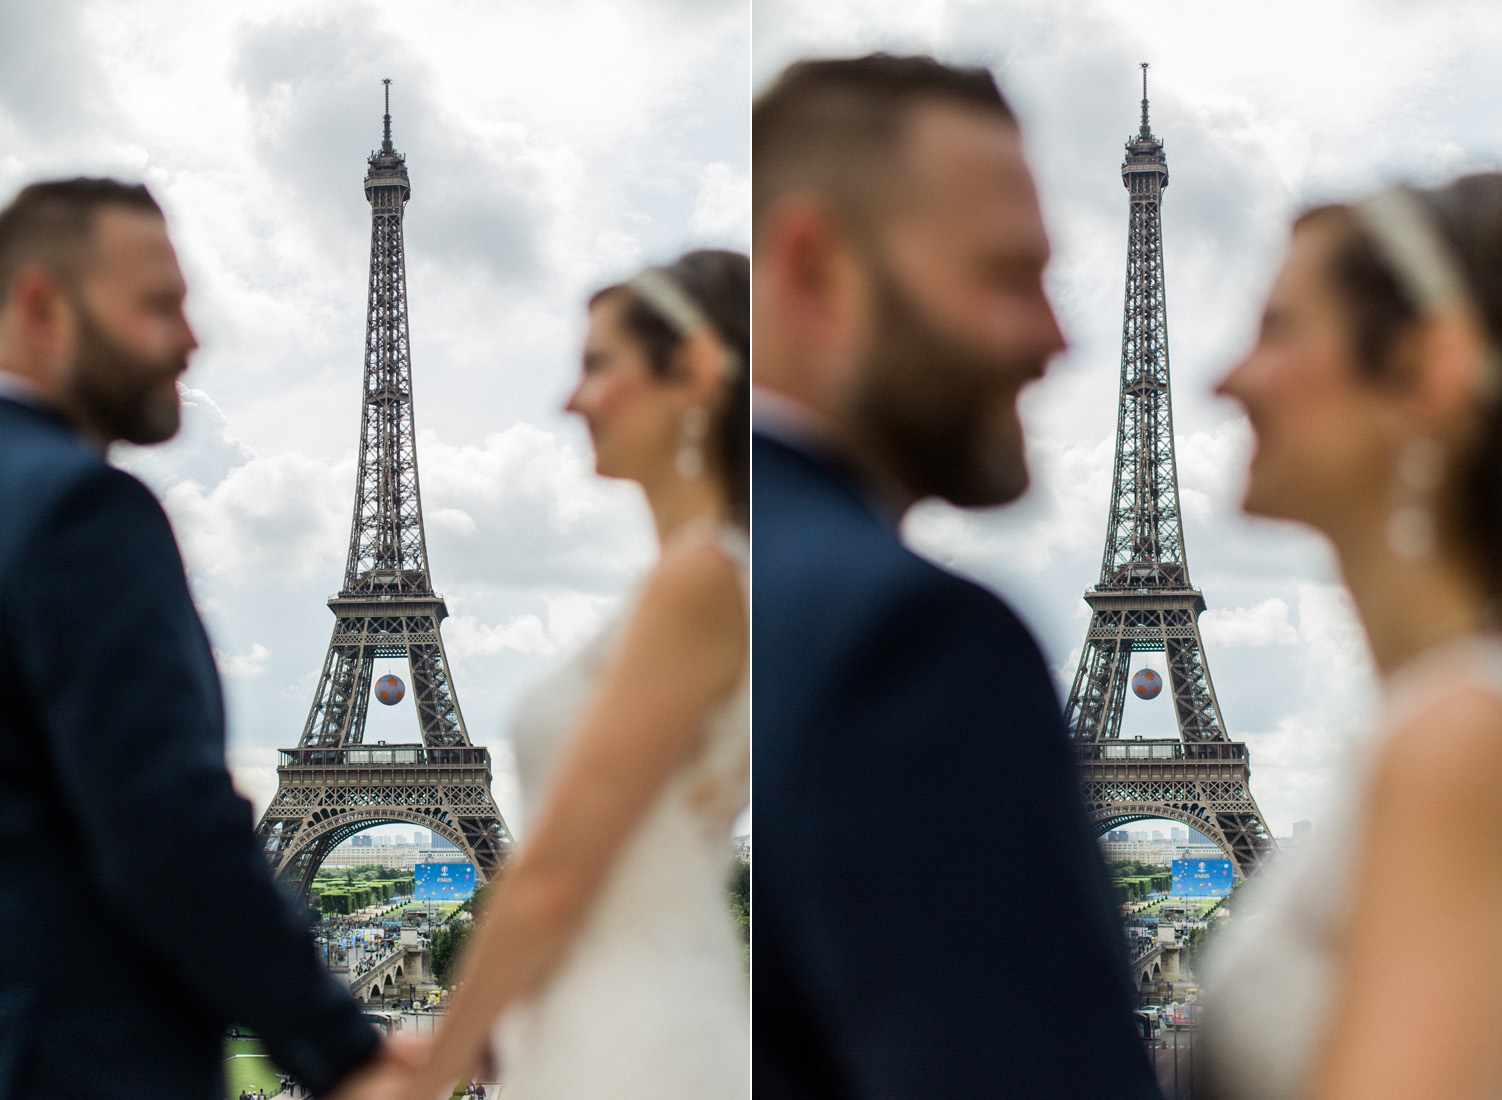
1270, 983
650, 999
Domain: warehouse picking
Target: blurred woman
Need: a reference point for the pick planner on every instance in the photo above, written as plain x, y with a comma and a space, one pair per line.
1374, 968
607, 951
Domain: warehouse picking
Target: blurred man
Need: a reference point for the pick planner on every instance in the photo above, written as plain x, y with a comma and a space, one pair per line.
933, 918
138, 916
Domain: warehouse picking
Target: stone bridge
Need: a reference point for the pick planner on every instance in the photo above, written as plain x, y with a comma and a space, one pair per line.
392, 973
1163, 962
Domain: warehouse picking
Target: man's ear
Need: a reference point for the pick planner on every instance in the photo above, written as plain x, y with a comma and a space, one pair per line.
812, 265
39, 312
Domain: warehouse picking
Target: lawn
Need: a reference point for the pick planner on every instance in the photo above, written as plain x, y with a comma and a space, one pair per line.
396, 914
247, 1066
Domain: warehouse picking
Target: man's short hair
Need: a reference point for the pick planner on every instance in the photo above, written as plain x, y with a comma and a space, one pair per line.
51, 225
832, 127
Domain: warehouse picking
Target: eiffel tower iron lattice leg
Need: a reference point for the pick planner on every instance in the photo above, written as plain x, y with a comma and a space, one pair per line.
1144, 602
333, 785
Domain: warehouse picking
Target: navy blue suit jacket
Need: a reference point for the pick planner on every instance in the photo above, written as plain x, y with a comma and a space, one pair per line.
137, 914
932, 916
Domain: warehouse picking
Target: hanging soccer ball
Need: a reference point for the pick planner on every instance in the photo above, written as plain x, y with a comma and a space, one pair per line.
390, 689
1146, 684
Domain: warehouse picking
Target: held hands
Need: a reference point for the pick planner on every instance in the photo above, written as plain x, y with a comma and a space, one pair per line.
396, 1073
419, 1083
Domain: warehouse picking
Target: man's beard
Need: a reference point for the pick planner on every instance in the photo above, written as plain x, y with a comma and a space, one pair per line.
927, 405
118, 390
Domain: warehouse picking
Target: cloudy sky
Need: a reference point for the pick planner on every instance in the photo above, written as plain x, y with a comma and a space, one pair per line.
1264, 109
552, 148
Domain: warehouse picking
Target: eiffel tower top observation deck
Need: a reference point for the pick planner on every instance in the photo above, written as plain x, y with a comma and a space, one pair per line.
1144, 601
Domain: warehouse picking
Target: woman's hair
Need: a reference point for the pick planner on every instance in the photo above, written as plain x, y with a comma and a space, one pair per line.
719, 283
1467, 215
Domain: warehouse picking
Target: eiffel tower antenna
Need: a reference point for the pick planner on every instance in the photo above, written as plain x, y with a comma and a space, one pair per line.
1146, 131
1145, 602
332, 785
386, 122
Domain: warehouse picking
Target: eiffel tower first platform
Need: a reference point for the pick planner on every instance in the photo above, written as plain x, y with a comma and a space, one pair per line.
1145, 602
333, 785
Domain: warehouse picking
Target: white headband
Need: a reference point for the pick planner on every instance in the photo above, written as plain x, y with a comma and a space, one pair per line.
1403, 230
1402, 227
676, 306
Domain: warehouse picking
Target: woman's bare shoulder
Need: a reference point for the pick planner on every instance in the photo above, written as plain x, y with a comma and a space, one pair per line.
696, 571
1443, 759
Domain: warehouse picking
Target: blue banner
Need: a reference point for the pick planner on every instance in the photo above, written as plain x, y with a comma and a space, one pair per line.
444, 881
1201, 878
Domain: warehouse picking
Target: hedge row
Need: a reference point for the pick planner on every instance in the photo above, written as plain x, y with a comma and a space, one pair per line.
342, 900
1137, 887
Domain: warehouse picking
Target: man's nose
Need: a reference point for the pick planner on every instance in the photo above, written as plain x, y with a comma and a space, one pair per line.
1054, 342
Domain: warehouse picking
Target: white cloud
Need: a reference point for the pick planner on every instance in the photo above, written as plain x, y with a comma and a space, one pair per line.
283, 516
242, 666
722, 208
253, 770
1264, 624
465, 637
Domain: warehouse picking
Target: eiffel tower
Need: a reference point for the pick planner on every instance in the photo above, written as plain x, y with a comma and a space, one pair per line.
333, 785
1145, 602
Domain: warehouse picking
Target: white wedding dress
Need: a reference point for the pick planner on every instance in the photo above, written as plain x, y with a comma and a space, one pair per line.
1270, 983
650, 1001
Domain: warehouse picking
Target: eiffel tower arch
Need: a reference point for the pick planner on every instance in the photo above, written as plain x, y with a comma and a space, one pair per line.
334, 785
1145, 602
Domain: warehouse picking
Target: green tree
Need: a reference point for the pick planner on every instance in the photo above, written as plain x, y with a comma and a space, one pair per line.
740, 899
445, 948
475, 903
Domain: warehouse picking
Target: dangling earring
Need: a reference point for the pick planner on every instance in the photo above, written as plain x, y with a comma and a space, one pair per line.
691, 432
1411, 528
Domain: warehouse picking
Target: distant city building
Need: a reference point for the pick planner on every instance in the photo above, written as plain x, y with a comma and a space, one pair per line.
1143, 851
1158, 835
348, 855
1303, 832
443, 843
1176, 835
361, 841
1160, 853
420, 839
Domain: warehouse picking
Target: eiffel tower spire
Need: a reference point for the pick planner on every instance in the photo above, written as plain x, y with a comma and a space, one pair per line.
1144, 601
331, 786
